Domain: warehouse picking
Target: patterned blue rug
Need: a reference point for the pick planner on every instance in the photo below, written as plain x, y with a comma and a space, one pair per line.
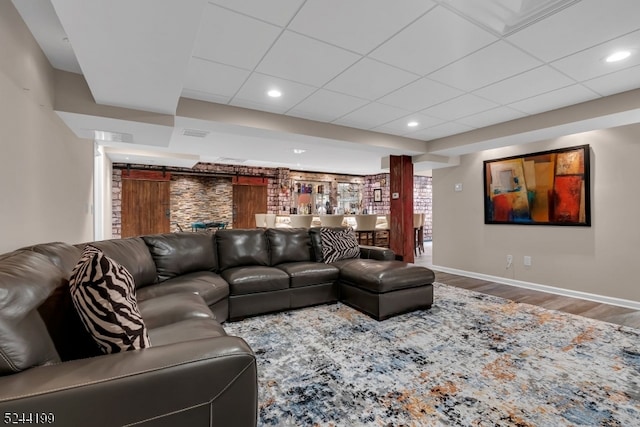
472, 360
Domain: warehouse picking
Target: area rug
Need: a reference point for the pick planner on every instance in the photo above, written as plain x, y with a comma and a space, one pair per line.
471, 360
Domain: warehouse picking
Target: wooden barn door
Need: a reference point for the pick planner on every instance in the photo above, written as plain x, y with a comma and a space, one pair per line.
145, 203
249, 198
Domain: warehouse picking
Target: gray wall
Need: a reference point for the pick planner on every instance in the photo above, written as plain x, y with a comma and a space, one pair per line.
603, 259
46, 172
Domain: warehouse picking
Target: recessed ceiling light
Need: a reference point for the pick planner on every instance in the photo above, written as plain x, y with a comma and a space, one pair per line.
618, 56
412, 124
298, 150
274, 93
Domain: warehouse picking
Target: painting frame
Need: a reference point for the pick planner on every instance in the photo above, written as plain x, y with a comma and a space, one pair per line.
377, 195
550, 187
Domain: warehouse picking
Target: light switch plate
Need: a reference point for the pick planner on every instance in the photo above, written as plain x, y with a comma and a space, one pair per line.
458, 187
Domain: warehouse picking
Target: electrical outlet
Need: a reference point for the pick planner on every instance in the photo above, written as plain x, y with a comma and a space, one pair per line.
527, 261
509, 261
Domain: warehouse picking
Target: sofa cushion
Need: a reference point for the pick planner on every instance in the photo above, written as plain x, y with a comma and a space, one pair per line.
186, 330
241, 247
288, 245
168, 309
26, 280
104, 295
248, 280
385, 276
339, 244
180, 253
209, 286
309, 273
62, 255
132, 254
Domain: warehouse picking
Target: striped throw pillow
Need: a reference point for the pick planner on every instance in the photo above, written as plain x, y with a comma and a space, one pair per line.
339, 244
104, 296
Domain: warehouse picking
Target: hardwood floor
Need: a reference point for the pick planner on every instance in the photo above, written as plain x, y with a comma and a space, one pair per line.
594, 310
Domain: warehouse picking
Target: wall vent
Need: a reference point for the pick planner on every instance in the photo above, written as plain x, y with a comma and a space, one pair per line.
196, 133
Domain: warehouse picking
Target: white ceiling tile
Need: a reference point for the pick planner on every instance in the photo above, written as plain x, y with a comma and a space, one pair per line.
590, 63
325, 105
399, 126
540, 80
254, 93
580, 26
277, 12
440, 131
213, 79
574, 94
621, 81
491, 117
462, 106
358, 25
489, 65
433, 41
371, 115
370, 79
305, 60
230, 38
420, 94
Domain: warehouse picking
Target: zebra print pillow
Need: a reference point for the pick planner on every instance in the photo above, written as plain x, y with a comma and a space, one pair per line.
339, 244
104, 295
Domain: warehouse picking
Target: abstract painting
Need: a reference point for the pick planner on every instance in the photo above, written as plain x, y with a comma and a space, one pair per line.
545, 188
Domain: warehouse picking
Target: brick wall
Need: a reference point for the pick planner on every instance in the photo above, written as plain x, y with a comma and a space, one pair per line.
200, 198
206, 192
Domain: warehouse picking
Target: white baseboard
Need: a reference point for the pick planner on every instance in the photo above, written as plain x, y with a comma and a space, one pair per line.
635, 305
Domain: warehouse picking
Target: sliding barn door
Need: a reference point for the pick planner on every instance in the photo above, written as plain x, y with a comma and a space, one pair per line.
248, 200
145, 203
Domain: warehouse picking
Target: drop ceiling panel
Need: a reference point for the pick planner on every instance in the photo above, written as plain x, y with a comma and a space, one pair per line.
326, 106
573, 94
621, 81
433, 41
462, 106
491, 117
357, 25
590, 63
214, 80
277, 12
254, 94
584, 24
539, 80
233, 39
420, 94
489, 65
370, 79
371, 115
305, 60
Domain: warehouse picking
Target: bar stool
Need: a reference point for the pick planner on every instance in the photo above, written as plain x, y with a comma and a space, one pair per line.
300, 221
366, 226
270, 220
418, 232
260, 220
331, 220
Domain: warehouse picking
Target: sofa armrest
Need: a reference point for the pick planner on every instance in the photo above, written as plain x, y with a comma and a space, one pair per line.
376, 252
195, 383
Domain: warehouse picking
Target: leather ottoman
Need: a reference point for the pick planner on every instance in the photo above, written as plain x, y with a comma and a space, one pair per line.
383, 289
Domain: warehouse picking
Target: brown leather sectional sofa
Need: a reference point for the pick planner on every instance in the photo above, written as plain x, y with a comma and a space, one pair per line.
187, 285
